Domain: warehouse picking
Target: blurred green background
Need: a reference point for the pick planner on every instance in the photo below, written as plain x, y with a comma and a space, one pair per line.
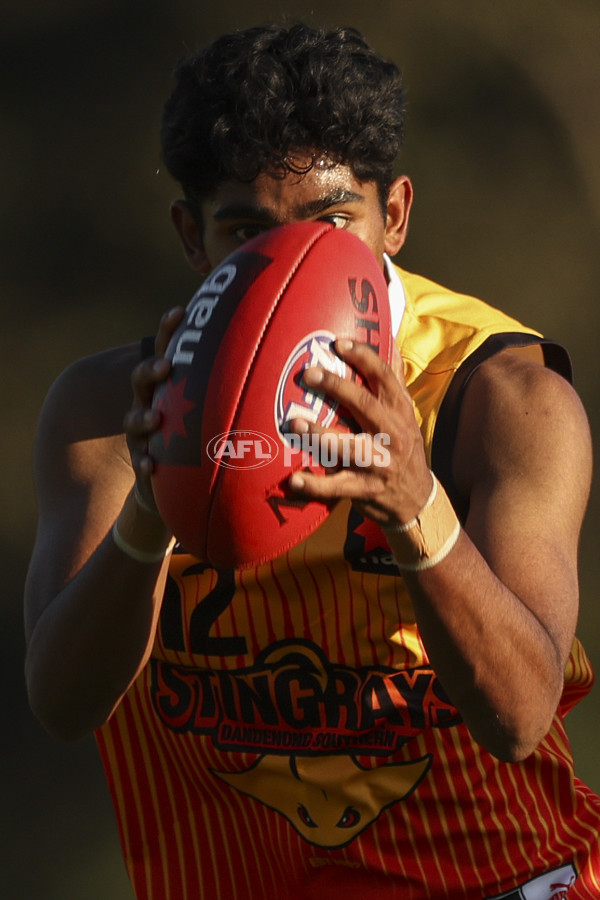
503, 139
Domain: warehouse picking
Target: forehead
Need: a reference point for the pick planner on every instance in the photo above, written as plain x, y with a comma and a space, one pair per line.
293, 196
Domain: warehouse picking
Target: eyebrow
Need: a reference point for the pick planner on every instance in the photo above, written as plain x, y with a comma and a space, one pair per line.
243, 211
321, 204
303, 210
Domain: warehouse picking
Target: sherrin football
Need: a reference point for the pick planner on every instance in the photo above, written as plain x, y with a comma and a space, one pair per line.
271, 309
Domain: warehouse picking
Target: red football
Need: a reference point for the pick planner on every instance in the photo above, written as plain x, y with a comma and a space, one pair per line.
267, 312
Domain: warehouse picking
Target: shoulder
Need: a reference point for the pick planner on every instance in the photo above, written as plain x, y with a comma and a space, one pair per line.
80, 436
92, 395
513, 381
518, 416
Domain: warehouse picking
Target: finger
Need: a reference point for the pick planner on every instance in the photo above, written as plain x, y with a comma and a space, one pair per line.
346, 483
168, 325
143, 466
335, 449
357, 399
140, 422
380, 377
143, 469
146, 376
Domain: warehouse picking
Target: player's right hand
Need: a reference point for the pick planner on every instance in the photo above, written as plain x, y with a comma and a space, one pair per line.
142, 420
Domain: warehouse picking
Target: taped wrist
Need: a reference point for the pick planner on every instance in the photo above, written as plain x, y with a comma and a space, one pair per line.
140, 533
426, 540
142, 556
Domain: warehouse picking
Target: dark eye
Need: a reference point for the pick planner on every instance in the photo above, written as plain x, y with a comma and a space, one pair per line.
338, 221
305, 817
246, 232
350, 818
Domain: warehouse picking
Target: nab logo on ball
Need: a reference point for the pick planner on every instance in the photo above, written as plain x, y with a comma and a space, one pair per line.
242, 449
293, 398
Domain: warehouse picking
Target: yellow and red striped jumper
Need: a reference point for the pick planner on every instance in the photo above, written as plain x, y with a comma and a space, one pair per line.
289, 739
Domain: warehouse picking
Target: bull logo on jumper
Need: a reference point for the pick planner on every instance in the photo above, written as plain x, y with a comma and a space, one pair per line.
331, 799
293, 399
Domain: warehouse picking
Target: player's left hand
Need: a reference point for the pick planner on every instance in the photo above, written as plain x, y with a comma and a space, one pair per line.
390, 494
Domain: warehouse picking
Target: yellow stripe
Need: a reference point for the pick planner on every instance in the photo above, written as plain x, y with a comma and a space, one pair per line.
139, 804
158, 810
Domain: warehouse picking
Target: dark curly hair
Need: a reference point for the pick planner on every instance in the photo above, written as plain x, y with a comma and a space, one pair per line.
252, 100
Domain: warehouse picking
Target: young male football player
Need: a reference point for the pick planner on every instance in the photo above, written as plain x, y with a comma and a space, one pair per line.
379, 712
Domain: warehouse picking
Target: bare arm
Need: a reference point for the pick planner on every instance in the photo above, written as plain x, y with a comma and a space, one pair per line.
498, 614
90, 609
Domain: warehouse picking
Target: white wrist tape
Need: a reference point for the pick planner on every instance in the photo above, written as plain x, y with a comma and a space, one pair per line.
141, 556
430, 536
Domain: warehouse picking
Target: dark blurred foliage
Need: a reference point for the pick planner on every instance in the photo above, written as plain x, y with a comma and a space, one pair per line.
503, 131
